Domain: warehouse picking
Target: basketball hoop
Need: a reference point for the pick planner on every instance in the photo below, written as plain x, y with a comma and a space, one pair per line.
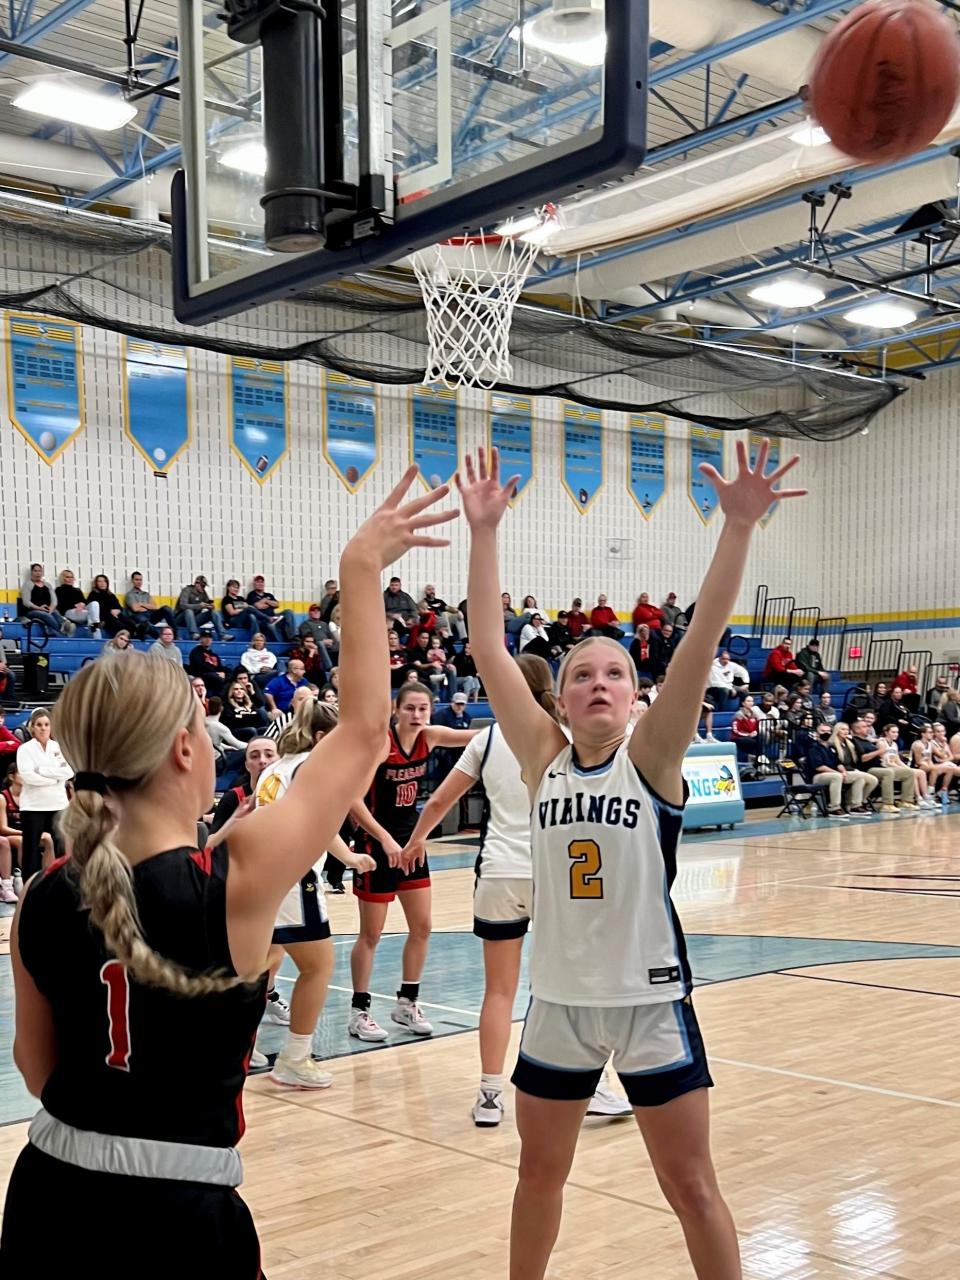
471, 286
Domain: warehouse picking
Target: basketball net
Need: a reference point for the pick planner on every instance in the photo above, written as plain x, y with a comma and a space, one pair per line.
471, 286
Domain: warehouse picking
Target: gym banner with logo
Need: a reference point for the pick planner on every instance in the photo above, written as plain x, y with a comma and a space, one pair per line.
351, 437
582, 473
259, 428
434, 440
714, 797
156, 401
706, 445
648, 461
511, 431
44, 381
773, 461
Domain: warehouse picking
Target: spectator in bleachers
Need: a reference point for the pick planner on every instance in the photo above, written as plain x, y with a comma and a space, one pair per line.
745, 729
825, 711
445, 613
9, 743
780, 695
561, 637
706, 715
906, 682
870, 757
229, 751
73, 607
397, 658
870, 720
643, 653
841, 739
892, 758
279, 692
328, 694
259, 661
334, 681
200, 689
454, 716
109, 608
8, 681
768, 708
935, 696
437, 655
243, 678
664, 644
399, 607
811, 664
506, 603
166, 646
514, 626
603, 620
333, 626
822, 766
535, 639
467, 677
237, 613
793, 712
804, 692
267, 607
316, 664
40, 604
577, 620
196, 609
926, 756
118, 644
314, 625
281, 720
206, 664
728, 682
894, 710
144, 612
950, 712
672, 612
781, 666
242, 718
645, 613
44, 774
330, 597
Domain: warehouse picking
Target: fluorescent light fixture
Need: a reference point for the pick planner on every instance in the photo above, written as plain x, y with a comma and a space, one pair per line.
249, 156
788, 293
532, 229
884, 313
68, 102
810, 135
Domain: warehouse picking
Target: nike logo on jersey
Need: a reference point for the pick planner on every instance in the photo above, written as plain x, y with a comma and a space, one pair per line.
562, 773
608, 811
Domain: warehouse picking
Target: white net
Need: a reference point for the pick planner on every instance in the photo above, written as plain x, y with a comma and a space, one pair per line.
470, 289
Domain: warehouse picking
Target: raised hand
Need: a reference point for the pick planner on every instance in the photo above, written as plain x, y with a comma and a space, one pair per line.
750, 494
484, 498
394, 529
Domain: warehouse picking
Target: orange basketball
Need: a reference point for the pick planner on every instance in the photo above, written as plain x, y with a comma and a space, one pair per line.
886, 79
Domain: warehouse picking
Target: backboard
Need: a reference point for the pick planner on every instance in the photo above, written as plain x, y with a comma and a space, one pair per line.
422, 119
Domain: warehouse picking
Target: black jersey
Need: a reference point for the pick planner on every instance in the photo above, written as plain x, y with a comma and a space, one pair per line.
392, 798
115, 1037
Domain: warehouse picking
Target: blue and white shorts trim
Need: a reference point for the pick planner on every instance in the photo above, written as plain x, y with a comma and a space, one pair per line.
657, 1051
502, 908
303, 913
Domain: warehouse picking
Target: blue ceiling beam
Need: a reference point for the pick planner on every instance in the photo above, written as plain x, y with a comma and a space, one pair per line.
33, 34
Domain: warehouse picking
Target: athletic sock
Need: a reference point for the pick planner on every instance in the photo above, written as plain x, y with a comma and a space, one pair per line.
409, 991
273, 994
297, 1048
490, 1082
361, 1000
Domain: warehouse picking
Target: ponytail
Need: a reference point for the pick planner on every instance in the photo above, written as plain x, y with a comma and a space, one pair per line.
536, 671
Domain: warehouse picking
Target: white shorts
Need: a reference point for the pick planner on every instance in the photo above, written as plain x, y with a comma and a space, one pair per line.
303, 912
657, 1051
501, 908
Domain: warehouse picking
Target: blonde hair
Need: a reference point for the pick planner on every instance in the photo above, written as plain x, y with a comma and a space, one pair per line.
604, 640
120, 720
310, 718
536, 671
39, 713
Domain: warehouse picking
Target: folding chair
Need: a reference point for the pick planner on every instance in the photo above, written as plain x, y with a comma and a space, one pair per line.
797, 792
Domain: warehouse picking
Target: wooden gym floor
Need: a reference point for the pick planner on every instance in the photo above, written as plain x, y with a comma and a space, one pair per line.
829, 970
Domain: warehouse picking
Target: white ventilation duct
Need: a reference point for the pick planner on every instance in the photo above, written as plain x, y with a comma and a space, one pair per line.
702, 312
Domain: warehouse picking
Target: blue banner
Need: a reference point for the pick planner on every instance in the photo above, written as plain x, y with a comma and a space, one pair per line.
44, 382
434, 444
582, 472
156, 401
648, 461
773, 461
259, 431
706, 445
511, 431
351, 440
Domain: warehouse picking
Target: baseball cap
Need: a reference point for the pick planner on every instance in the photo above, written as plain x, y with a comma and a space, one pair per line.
311, 607
459, 697
200, 578
671, 595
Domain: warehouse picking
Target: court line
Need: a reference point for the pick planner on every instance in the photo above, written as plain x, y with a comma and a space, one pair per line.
877, 986
378, 995
840, 1084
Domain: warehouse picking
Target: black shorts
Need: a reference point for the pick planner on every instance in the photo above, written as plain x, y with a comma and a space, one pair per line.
144, 1227
385, 882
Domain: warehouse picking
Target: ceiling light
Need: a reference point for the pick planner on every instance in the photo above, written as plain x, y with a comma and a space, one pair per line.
788, 293
809, 135
572, 30
249, 156
67, 102
884, 313
534, 228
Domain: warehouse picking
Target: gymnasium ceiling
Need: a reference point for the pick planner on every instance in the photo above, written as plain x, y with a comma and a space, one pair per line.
709, 104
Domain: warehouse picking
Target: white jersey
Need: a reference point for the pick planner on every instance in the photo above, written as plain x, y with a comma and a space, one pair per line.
604, 844
271, 785
505, 832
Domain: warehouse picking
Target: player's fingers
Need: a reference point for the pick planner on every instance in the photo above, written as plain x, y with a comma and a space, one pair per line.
469, 469
410, 509
395, 496
710, 472
762, 454
482, 462
429, 542
495, 464
742, 457
790, 493
787, 466
435, 517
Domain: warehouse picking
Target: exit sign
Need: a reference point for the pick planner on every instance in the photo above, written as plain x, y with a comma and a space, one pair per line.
855, 651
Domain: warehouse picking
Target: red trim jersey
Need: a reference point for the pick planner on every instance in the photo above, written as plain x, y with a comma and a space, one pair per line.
393, 794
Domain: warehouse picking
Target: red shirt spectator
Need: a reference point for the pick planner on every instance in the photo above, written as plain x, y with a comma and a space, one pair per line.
8, 743
647, 614
907, 680
603, 618
576, 619
781, 666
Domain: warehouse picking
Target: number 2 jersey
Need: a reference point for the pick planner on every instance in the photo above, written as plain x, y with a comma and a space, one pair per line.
604, 845
392, 798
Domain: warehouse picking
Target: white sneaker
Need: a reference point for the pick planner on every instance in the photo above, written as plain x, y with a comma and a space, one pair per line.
364, 1027
697, 739
711, 738
407, 1013
305, 1074
277, 1011
925, 803
17, 883
6, 891
258, 1061
488, 1109
607, 1103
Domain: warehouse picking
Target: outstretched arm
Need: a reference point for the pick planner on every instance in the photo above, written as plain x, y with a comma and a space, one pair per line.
531, 734
661, 738
454, 786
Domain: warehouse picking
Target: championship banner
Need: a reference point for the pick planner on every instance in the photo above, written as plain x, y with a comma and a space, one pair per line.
648, 461
582, 473
773, 461
351, 438
706, 445
434, 442
511, 431
44, 381
259, 430
156, 401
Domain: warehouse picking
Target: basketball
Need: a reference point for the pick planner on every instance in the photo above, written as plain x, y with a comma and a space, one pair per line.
886, 79
353, 475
